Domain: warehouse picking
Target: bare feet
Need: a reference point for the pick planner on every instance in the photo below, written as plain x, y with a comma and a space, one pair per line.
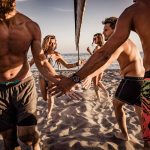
121, 136
49, 116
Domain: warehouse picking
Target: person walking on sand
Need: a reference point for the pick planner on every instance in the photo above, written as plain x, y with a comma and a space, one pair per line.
49, 46
18, 98
132, 72
17, 87
136, 18
98, 40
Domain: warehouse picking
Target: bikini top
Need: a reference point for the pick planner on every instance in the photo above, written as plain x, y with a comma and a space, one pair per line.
53, 62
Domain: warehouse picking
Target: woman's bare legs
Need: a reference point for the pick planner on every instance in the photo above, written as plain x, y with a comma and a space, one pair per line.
101, 85
42, 84
46, 96
96, 88
50, 101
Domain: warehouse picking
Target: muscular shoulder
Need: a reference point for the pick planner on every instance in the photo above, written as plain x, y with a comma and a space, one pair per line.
34, 29
131, 8
31, 26
128, 13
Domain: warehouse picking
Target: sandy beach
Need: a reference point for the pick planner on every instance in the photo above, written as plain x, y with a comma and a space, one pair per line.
87, 124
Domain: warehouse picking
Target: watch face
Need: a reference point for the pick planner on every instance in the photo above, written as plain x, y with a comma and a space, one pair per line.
76, 78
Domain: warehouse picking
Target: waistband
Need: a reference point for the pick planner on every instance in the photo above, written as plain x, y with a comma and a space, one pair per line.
147, 74
13, 83
133, 78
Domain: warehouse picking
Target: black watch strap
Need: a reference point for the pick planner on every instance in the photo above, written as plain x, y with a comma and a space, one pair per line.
75, 78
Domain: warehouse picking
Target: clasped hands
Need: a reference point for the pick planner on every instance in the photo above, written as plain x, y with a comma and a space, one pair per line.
64, 85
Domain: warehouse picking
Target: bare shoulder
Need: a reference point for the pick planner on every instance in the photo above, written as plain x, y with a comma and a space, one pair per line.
128, 43
129, 12
125, 22
57, 53
32, 26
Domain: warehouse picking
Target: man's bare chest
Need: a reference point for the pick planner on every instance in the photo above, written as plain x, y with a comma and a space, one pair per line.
14, 39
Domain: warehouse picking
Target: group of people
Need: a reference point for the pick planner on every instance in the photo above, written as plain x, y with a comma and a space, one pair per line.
49, 46
18, 98
132, 73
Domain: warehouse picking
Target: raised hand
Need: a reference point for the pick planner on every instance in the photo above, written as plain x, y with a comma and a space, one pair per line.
74, 95
88, 49
81, 62
63, 86
87, 82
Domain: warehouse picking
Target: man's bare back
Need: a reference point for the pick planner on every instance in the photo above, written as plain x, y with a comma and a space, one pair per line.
138, 15
16, 37
130, 61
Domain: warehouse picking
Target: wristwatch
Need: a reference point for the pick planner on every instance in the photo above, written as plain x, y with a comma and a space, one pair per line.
75, 78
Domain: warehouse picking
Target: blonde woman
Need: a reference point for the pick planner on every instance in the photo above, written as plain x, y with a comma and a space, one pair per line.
49, 46
98, 40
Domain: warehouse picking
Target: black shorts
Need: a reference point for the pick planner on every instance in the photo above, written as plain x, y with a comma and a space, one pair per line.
18, 104
129, 90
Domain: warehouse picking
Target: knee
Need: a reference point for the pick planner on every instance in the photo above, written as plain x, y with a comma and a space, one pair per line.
29, 139
117, 105
96, 88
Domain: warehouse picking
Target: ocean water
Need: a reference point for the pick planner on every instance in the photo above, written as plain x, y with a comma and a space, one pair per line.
73, 57
70, 58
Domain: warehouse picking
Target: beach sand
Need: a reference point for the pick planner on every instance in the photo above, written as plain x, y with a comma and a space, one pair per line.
86, 124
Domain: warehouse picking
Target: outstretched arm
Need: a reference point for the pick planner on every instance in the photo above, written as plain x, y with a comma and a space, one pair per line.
40, 60
62, 61
113, 58
102, 56
88, 49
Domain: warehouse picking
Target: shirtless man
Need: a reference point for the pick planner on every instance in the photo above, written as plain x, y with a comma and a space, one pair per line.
132, 71
17, 88
135, 17
98, 40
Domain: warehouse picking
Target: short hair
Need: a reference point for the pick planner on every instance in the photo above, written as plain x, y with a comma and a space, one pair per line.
98, 34
46, 41
9, 8
111, 20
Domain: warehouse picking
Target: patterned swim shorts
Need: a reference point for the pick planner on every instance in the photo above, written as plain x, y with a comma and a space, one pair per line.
145, 95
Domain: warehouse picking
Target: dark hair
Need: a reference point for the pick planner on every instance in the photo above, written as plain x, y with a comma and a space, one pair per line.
111, 20
8, 7
100, 36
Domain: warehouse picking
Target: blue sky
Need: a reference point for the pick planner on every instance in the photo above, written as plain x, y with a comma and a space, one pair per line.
57, 17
